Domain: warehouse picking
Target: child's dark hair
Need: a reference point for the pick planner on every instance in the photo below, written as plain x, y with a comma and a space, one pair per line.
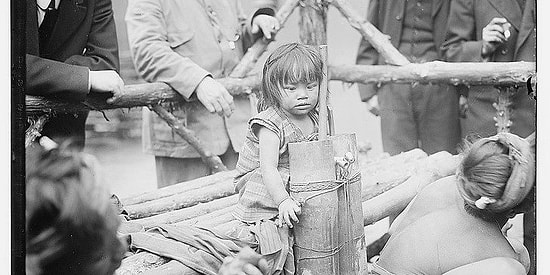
289, 63
70, 222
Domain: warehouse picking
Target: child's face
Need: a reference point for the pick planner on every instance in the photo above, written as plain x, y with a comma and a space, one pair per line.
300, 98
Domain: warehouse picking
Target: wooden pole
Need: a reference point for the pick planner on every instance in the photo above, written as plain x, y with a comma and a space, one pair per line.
182, 200
187, 186
323, 95
502, 106
489, 73
467, 73
369, 32
249, 60
213, 162
313, 22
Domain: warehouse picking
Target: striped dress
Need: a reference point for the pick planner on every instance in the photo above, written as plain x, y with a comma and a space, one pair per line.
255, 203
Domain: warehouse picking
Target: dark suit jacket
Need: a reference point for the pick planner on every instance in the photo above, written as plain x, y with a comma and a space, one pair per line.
83, 39
387, 16
463, 44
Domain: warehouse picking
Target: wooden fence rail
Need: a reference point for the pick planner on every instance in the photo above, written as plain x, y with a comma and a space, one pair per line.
493, 73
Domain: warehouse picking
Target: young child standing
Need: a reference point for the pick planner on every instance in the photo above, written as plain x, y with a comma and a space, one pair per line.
291, 79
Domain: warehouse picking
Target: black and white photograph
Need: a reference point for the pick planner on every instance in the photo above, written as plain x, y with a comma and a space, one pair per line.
267, 137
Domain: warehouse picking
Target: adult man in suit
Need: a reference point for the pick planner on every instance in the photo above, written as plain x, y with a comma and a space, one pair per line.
495, 31
71, 50
187, 44
412, 116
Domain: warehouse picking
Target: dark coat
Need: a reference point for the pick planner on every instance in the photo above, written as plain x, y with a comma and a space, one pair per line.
463, 44
83, 39
387, 16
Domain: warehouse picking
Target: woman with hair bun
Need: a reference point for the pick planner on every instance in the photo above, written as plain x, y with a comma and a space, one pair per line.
454, 225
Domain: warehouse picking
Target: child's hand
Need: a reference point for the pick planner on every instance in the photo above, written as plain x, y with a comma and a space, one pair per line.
288, 210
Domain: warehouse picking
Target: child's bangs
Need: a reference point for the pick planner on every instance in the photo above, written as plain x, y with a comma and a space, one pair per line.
300, 67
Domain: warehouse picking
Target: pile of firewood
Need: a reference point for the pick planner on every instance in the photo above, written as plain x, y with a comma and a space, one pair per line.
388, 185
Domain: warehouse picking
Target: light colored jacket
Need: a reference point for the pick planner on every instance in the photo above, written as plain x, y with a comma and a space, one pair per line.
177, 42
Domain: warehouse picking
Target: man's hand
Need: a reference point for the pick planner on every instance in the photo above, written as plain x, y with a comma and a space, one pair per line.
215, 97
107, 82
289, 210
372, 105
246, 262
494, 34
268, 24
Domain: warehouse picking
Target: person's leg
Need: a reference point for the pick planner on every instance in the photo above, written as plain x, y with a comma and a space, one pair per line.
175, 170
396, 119
436, 107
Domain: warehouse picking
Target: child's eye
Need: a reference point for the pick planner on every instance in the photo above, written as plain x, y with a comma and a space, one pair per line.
292, 88
312, 86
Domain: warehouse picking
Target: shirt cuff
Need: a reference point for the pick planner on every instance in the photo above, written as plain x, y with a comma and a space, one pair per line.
89, 82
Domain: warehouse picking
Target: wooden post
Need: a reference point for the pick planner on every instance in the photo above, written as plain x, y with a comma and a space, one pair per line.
502, 106
212, 161
313, 22
316, 235
323, 95
351, 233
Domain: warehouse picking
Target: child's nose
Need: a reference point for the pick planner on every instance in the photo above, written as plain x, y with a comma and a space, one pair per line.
302, 93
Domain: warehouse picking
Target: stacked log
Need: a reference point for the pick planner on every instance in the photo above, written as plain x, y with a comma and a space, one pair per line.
198, 197
389, 184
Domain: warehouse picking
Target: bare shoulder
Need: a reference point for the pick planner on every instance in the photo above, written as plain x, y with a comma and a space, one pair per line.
438, 194
496, 265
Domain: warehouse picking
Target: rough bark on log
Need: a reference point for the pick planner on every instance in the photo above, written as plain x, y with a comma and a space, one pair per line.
33, 132
489, 73
213, 162
182, 200
134, 96
467, 73
248, 61
369, 32
396, 199
179, 188
189, 212
502, 107
313, 22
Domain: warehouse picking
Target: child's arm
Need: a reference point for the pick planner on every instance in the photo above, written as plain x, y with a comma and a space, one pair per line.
269, 160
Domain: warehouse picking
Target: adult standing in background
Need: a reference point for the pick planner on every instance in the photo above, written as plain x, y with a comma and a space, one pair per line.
187, 44
495, 31
71, 50
412, 116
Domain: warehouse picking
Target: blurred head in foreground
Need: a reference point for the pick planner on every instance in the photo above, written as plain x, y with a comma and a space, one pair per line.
70, 222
